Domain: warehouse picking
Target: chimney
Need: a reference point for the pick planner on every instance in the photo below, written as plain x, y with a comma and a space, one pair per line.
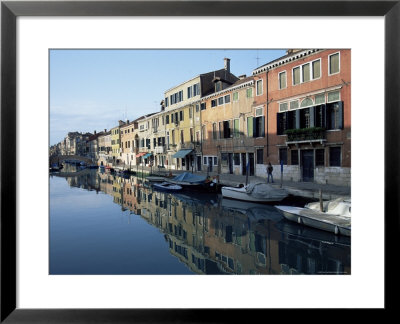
127, 121
94, 132
105, 130
241, 77
227, 64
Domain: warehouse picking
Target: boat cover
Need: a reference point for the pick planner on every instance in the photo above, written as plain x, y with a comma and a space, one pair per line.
189, 177
340, 206
263, 190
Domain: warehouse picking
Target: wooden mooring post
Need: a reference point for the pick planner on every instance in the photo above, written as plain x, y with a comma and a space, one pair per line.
321, 204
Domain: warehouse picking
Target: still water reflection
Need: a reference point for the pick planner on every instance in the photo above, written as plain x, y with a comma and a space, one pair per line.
105, 224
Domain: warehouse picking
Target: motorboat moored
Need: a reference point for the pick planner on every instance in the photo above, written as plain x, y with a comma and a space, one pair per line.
255, 192
334, 217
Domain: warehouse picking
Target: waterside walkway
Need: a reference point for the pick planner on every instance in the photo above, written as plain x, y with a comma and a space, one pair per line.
302, 189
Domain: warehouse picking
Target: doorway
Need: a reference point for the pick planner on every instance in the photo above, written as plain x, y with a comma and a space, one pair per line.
307, 165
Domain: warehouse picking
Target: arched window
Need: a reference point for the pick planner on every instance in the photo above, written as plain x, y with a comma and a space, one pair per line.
306, 103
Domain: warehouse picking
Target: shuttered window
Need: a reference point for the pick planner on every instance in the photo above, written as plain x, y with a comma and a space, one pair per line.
250, 126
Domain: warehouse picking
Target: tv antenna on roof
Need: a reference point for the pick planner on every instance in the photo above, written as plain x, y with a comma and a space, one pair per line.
257, 58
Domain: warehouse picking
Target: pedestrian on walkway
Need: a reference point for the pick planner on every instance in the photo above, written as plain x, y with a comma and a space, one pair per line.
269, 172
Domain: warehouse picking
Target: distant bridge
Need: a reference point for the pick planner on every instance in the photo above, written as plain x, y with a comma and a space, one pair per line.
62, 158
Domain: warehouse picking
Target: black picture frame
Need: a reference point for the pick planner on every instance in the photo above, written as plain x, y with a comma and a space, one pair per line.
10, 10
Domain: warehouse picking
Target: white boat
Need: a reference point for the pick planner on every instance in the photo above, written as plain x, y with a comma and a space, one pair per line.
167, 186
335, 216
255, 192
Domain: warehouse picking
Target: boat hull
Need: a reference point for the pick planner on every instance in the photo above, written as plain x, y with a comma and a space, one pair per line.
340, 225
241, 194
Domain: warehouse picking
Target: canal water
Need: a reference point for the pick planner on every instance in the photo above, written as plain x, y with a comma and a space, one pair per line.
101, 223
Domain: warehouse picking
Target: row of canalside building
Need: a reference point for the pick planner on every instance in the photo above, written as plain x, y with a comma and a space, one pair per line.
293, 112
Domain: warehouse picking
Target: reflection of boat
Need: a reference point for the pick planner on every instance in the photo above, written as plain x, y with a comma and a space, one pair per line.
155, 179
309, 233
167, 186
255, 192
254, 211
335, 216
191, 181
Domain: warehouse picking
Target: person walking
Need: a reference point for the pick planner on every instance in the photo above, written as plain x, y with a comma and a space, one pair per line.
269, 172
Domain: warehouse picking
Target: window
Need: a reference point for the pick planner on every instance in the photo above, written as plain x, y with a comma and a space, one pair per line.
196, 89
213, 103
294, 156
166, 102
236, 159
249, 92
333, 96
220, 101
282, 80
205, 160
182, 137
306, 103
283, 106
334, 156
189, 92
320, 157
259, 87
197, 107
236, 128
235, 96
334, 63
305, 72
305, 118
259, 127
294, 104
172, 118
224, 159
227, 125
181, 115
316, 69
215, 160
227, 98
191, 135
218, 86
203, 106
190, 112
283, 155
167, 119
319, 120
334, 115
319, 99
296, 75
260, 156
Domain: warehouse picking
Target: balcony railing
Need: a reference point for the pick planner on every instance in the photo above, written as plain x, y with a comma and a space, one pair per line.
313, 134
159, 149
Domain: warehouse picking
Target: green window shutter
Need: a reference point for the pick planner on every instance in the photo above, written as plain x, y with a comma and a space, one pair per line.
250, 126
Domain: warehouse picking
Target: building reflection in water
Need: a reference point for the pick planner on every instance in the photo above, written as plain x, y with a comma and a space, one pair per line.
211, 235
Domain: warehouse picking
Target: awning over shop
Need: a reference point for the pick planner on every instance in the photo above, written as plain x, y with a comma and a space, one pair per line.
140, 154
181, 154
147, 155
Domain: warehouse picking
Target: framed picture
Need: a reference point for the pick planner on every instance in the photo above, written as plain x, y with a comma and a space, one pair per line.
209, 298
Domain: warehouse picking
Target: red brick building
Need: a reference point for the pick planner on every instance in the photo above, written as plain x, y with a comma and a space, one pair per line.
306, 97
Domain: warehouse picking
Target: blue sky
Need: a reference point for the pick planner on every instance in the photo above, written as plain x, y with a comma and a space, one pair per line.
93, 89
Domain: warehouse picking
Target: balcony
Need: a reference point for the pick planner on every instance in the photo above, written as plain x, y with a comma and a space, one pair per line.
305, 135
159, 149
